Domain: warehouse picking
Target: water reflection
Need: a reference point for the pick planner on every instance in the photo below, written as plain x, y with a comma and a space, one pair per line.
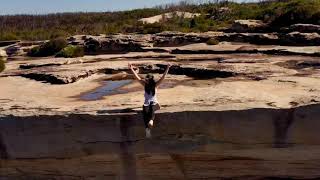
109, 88
2, 64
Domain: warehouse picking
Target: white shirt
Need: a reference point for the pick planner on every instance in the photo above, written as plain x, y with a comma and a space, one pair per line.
148, 98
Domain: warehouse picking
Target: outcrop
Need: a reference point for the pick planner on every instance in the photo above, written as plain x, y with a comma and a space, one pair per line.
303, 28
242, 26
114, 44
298, 38
170, 15
246, 108
228, 114
139, 43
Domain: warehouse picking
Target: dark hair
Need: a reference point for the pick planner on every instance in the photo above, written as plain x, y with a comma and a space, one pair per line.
150, 86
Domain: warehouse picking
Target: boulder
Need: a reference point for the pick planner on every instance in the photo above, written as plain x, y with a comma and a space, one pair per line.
77, 40
241, 26
15, 50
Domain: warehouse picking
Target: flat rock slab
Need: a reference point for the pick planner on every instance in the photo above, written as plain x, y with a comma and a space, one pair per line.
254, 80
248, 115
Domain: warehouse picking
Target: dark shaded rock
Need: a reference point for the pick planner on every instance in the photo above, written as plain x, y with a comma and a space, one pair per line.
302, 39
7, 43
30, 66
245, 50
254, 38
304, 28
198, 73
173, 39
111, 45
15, 50
308, 64
56, 79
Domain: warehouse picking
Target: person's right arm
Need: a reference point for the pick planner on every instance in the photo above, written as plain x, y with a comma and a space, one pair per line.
137, 77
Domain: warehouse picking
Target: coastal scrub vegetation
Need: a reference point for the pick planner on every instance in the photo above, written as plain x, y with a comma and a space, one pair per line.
212, 41
49, 48
214, 15
71, 51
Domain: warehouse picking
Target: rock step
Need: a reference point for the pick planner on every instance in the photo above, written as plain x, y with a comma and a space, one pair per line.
190, 131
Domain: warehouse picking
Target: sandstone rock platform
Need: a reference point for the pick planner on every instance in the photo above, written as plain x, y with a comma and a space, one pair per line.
229, 111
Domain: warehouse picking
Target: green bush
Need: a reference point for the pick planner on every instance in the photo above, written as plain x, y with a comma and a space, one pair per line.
49, 48
290, 12
71, 52
34, 51
212, 41
152, 28
8, 36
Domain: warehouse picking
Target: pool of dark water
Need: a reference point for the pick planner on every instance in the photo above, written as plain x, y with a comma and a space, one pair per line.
108, 88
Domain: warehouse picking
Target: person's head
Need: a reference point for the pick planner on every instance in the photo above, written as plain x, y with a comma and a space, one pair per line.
150, 84
149, 78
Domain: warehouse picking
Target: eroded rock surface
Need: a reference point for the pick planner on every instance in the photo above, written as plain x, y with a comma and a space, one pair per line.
229, 111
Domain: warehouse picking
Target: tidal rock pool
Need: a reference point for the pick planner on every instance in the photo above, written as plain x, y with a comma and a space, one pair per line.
108, 88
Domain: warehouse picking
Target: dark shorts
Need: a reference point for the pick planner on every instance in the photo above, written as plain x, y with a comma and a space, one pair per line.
149, 113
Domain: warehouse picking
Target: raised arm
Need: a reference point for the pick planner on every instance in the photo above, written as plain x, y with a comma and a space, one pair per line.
141, 81
163, 76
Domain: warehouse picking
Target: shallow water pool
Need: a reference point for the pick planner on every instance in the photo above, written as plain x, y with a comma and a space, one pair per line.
108, 88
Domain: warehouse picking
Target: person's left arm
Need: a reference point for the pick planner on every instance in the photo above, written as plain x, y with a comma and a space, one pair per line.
163, 76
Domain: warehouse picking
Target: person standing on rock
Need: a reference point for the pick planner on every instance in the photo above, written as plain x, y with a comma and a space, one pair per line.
150, 104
